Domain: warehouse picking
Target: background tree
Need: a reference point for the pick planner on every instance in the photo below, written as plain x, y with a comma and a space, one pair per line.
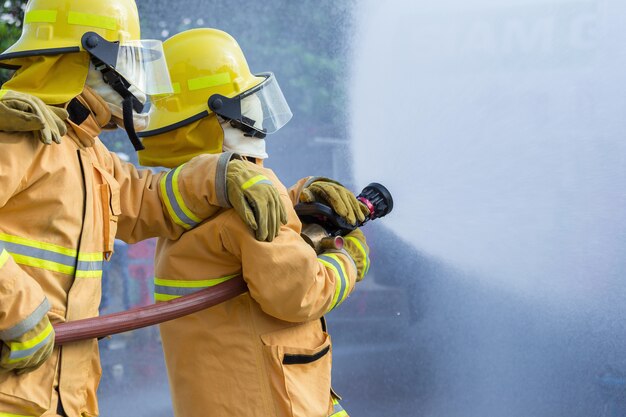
11, 16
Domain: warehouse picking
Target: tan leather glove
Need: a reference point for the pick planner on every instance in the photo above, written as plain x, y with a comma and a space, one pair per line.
29, 351
255, 199
20, 112
356, 246
339, 198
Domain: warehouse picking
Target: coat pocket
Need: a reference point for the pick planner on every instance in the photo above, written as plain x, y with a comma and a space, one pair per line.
299, 377
109, 196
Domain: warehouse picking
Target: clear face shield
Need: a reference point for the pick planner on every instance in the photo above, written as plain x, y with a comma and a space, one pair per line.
140, 62
143, 65
137, 63
260, 111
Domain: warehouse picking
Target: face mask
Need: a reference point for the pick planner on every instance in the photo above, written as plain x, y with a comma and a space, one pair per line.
114, 100
236, 141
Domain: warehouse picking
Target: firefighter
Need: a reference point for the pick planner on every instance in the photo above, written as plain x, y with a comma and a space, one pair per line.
81, 67
265, 353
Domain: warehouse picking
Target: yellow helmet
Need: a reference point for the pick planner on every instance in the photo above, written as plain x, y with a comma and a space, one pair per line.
210, 77
53, 27
56, 40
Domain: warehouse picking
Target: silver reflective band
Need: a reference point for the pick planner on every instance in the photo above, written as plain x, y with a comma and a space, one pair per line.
170, 289
342, 282
174, 202
52, 257
28, 323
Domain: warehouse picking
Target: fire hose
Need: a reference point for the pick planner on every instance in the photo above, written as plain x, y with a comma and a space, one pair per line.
326, 234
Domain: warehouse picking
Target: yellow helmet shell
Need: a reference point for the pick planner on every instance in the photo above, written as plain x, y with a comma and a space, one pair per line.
51, 61
54, 27
201, 62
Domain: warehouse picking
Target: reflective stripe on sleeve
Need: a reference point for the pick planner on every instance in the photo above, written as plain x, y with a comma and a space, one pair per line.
366, 258
338, 410
259, 179
53, 257
28, 323
174, 202
26, 349
333, 262
170, 289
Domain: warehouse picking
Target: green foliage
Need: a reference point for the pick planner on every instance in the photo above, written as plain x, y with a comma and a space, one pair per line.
11, 16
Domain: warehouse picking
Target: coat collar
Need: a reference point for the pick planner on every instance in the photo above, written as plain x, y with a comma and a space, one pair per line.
89, 114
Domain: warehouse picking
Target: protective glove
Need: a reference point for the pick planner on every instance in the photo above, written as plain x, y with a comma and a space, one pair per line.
339, 198
356, 246
255, 199
20, 112
29, 351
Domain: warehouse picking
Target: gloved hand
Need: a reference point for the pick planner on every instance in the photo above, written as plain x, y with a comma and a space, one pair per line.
20, 112
255, 199
356, 246
339, 198
29, 351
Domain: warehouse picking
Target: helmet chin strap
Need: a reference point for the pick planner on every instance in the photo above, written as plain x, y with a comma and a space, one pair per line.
129, 101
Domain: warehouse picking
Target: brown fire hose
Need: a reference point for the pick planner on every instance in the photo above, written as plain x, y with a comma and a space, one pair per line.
137, 318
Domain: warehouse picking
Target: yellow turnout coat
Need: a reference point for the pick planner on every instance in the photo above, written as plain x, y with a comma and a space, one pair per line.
61, 206
265, 353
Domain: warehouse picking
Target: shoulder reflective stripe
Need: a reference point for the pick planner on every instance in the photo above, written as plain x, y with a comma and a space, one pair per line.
92, 20
40, 16
366, 258
2, 94
259, 179
26, 349
174, 201
341, 282
28, 323
170, 288
4, 257
208, 81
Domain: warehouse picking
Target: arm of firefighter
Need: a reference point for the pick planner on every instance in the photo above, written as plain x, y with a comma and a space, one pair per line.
169, 203
22, 300
23, 303
296, 189
285, 276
